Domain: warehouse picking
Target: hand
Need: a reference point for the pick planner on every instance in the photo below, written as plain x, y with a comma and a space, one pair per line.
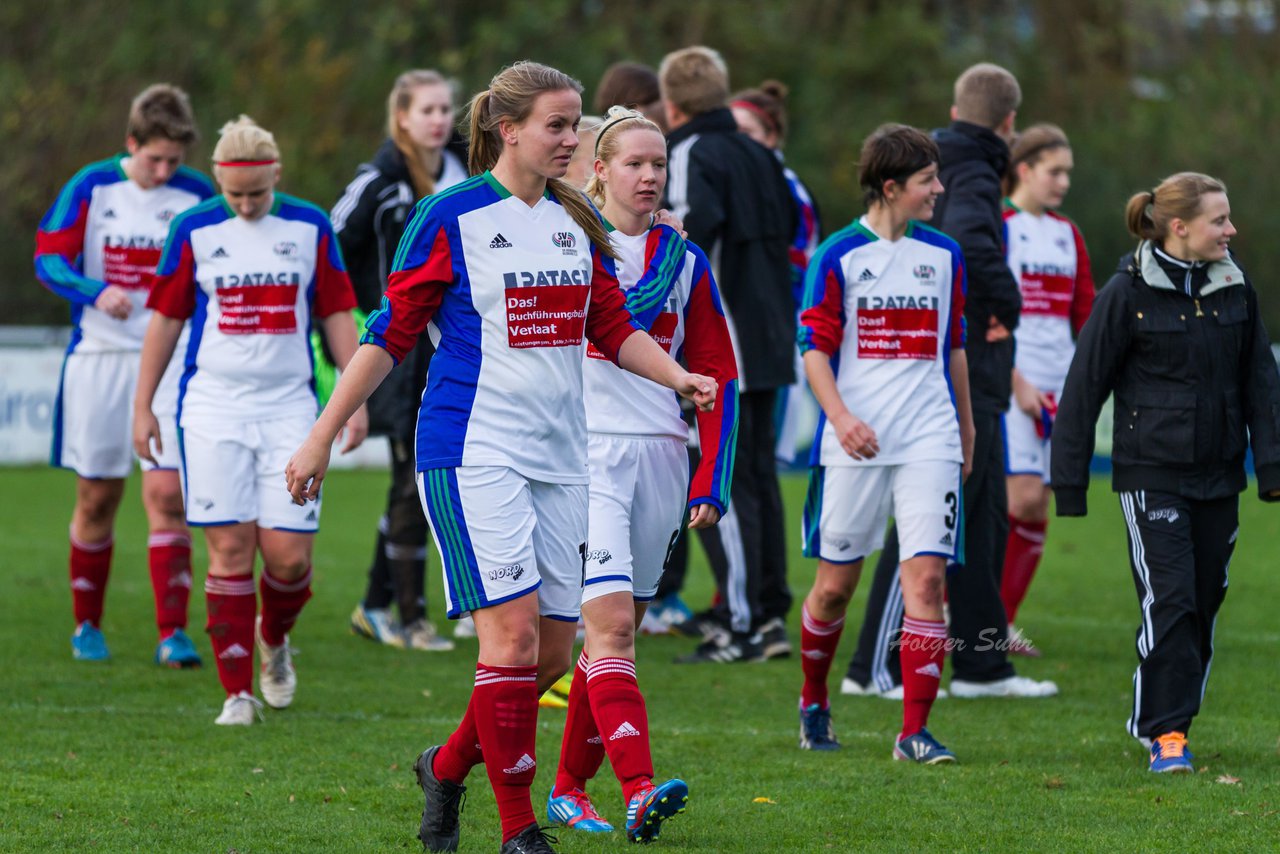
856, 436
306, 469
968, 437
665, 217
703, 516
146, 429
699, 389
996, 331
1030, 399
355, 431
114, 301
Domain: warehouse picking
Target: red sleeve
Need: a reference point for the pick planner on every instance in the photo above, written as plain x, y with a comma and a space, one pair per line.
708, 350
1082, 296
412, 298
822, 321
173, 291
608, 321
333, 287
959, 285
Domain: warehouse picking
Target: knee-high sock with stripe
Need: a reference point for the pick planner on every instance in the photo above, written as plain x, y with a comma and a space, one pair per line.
506, 713
620, 714
169, 561
818, 642
582, 749
232, 605
1022, 552
282, 601
923, 652
457, 756
90, 565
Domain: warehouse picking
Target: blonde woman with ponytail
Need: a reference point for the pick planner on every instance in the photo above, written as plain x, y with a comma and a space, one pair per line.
1177, 336
252, 269
422, 155
514, 271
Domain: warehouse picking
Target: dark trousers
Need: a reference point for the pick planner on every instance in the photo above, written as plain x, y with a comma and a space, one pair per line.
1179, 551
978, 628
748, 549
398, 570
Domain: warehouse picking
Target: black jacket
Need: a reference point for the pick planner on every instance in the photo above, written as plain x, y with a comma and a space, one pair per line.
973, 161
369, 220
731, 193
1189, 373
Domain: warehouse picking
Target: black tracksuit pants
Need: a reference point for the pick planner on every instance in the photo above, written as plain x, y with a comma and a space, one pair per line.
398, 570
748, 548
979, 629
1179, 551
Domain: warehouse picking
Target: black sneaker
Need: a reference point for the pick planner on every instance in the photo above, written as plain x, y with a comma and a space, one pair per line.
773, 635
704, 624
531, 840
726, 648
444, 800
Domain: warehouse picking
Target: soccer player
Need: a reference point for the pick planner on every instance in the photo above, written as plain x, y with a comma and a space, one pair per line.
882, 334
250, 269
97, 248
511, 268
1047, 255
422, 155
640, 483
1176, 335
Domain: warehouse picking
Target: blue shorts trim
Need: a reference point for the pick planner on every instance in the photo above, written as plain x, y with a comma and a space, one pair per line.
221, 524
559, 618
603, 578
291, 530
489, 603
842, 562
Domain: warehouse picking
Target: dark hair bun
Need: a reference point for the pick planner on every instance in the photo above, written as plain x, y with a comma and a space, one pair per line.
775, 89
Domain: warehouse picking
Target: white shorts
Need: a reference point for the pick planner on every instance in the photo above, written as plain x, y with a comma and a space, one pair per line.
854, 504
234, 472
93, 418
639, 487
501, 535
1024, 451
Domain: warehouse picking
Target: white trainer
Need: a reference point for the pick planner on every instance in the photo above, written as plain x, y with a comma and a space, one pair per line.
464, 627
421, 634
1012, 686
277, 680
239, 710
853, 688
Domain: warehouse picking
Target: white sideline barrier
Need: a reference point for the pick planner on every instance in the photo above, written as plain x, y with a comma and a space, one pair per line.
30, 369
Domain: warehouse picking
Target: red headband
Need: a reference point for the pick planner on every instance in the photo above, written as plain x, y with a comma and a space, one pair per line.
234, 163
770, 122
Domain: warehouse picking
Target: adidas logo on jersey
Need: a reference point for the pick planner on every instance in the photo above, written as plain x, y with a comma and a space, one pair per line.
624, 730
109, 214
499, 242
946, 539
525, 763
234, 651
930, 669
866, 275
220, 253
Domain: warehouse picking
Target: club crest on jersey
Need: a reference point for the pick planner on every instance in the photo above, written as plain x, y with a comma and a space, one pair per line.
286, 249
166, 215
926, 273
564, 239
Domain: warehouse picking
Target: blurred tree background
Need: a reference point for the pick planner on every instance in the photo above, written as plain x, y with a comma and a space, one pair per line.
1143, 87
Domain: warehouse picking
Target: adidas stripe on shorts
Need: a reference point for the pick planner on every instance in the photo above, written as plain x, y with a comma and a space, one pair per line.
502, 535
639, 486
922, 497
234, 472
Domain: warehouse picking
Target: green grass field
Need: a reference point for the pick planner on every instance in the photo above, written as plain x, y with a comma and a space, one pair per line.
124, 756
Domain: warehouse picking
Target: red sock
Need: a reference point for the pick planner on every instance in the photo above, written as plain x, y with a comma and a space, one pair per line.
457, 756
90, 566
1021, 557
818, 642
506, 712
231, 604
282, 601
923, 651
618, 708
169, 558
582, 749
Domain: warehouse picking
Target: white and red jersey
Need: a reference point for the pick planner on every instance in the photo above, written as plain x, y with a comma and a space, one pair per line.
888, 313
1048, 258
670, 291
105, 229
511, 292
250, 289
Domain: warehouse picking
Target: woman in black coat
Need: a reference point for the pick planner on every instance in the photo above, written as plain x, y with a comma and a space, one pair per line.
1177, 336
